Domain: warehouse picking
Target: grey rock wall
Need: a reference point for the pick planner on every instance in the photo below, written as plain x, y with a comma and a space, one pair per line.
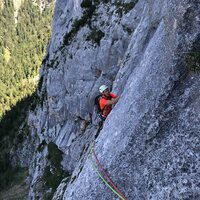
150, 142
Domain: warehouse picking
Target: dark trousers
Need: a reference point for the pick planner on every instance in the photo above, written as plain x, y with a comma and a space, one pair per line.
102, 121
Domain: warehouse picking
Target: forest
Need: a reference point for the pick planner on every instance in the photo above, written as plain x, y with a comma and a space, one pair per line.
22, 48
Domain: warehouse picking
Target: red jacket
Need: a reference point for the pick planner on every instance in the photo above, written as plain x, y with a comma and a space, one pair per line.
106, 109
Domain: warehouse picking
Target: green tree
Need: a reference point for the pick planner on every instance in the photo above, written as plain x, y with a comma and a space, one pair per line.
22, 48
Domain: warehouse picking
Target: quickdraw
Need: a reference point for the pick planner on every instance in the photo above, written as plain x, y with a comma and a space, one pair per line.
111, 186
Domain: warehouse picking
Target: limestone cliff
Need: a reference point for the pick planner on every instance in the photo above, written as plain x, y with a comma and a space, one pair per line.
148, 52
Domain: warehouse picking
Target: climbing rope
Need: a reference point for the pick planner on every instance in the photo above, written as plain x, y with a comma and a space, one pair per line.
106, 175
113, 188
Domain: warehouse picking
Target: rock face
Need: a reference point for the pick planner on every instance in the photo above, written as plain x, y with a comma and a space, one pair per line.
148, 52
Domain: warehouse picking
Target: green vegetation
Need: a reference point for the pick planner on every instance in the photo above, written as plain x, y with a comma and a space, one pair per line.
41, 146
12, 184
55, 155
8, 174
78, 23
86, 3
124, 7
193, 61
127, 29
95, 36
10, 136
12, 120
22, 48
54, 173
89, 7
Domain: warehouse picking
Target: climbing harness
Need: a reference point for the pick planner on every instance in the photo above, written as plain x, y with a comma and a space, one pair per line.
111, 186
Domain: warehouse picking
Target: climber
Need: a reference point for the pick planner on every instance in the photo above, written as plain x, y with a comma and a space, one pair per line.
106, 101
103, 104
